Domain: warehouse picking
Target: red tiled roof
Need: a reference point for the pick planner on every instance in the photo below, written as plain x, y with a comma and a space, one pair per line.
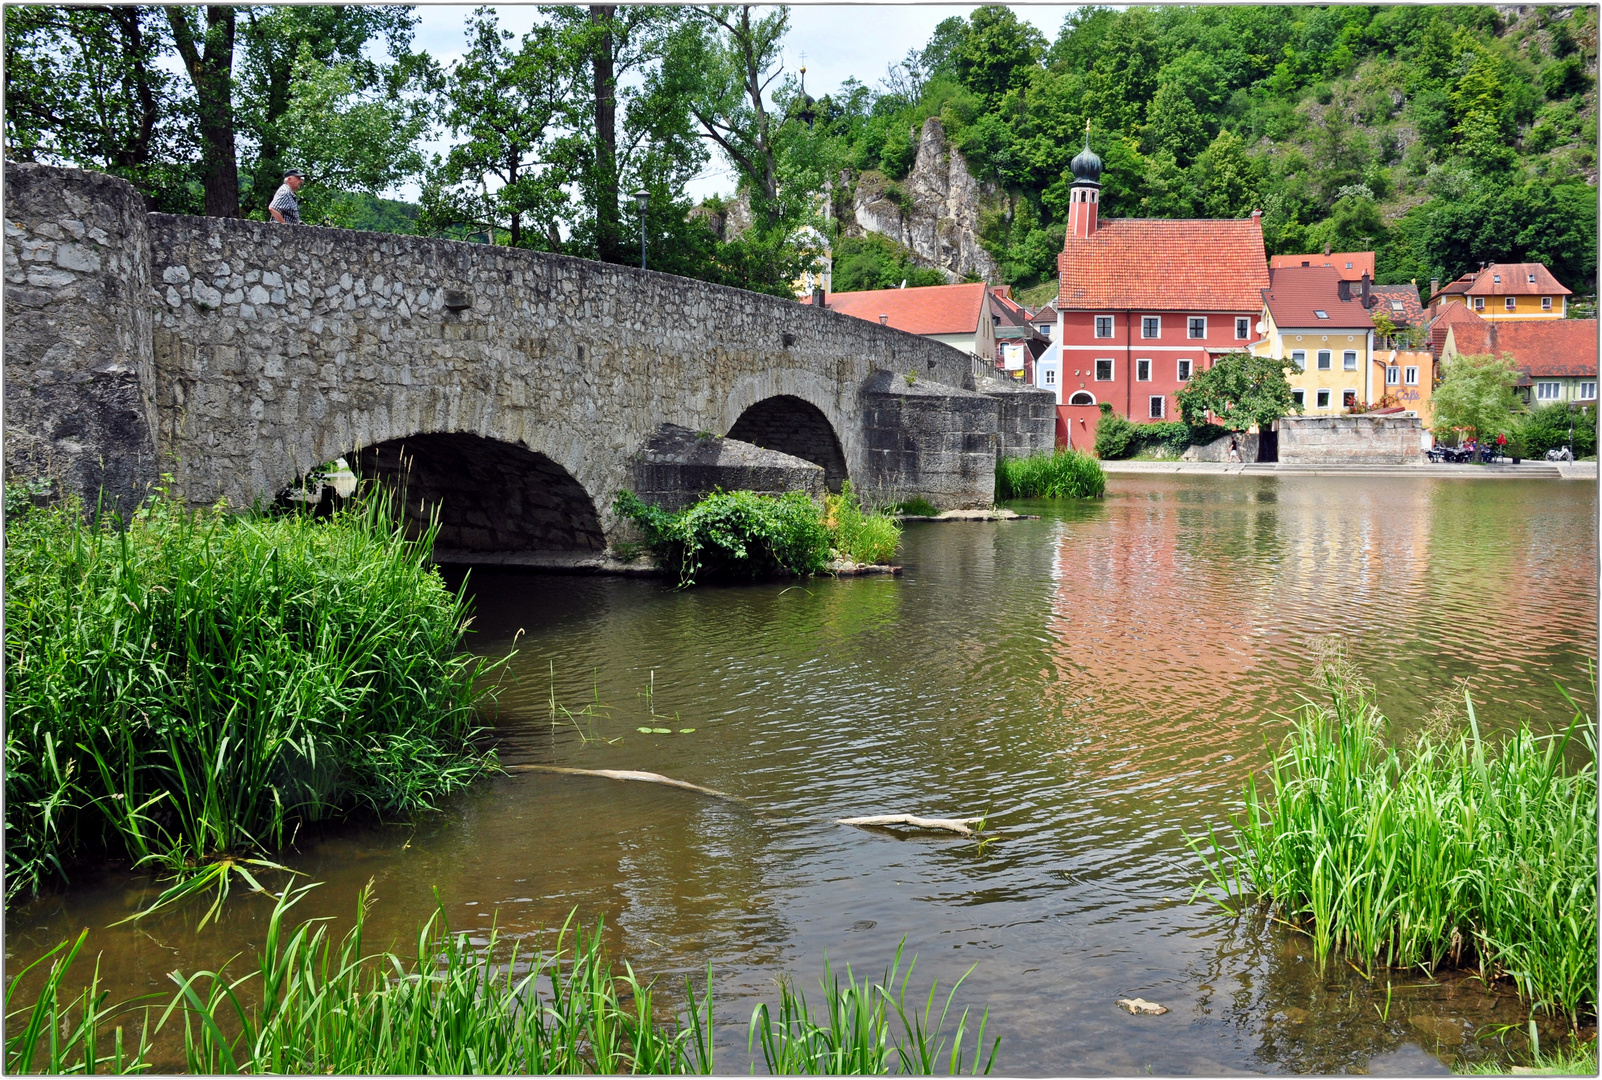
1411, 313
1454, 313
1546, 347
1295, 295
1513, 279
1156, 265
926, 309
1360, 261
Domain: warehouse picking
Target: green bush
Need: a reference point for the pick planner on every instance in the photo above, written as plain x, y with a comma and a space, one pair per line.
1548, 428
917, 506
1118, 438
871, 537
204, 684
1064, 474
734, 534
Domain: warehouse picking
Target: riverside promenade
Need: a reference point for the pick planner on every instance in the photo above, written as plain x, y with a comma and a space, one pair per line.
1524, 470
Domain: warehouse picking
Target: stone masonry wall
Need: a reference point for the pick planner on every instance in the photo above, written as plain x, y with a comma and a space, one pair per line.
1027, 422
1350, 440
79, 395
934, 441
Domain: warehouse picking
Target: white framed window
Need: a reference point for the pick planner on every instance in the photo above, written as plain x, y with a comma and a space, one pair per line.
1156, 407
1512, 303
1104, 370
1323, 359
1479, 303
1349, 360
1531, 277
1548, 391
1184, 370
1082, 398
1546, 303
1243, 328
1298, 359
1497, 278
1196, 327
1299, 397
1051, 376
1348, 399
1393, 375
1104, 325
1143, 371
1410, 376
1151, 326
1320, 313
1321, 399
1587, 391
1044, 328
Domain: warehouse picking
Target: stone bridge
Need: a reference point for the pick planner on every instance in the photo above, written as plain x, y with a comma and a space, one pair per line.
515, 389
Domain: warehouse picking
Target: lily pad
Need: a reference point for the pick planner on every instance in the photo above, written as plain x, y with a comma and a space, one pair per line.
661, 731
685, 730
644, 730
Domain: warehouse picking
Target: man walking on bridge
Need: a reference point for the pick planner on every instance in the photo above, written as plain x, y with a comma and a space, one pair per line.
285, 208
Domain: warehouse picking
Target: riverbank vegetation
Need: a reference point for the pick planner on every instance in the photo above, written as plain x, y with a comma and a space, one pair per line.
189, 692
316, 1005
1062, 474
741, 535
1452, 850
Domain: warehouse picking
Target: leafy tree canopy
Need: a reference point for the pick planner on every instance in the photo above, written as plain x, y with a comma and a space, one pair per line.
1237, 392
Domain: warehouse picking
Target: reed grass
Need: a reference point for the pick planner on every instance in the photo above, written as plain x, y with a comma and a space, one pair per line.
192, 689
313, 1004
733, 534
862, 536
1063, 474
1452, 850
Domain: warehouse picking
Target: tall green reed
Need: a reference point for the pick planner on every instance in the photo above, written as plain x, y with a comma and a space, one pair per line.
864, 536
1449, 851
1064, 474
203, 684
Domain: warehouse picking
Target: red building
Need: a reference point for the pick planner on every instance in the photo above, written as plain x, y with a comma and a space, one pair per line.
1144, 304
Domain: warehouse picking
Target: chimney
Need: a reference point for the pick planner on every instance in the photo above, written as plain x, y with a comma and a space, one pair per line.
884, 320
1435, 287
1368, 300
818, 298
1326, 249
1343, 289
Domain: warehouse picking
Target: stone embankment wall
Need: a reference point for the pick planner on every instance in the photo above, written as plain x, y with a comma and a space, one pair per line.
1027, 420
239, 355
1350, 440
931, 441
79, 401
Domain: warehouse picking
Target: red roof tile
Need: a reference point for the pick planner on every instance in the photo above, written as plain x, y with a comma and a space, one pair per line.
1513, 279
1411, 311
1144, 264
1454, 313
927, 309
1296, 294
1359, 261
1546, 347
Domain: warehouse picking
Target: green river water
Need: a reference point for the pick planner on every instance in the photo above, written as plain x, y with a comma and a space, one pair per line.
1098, 682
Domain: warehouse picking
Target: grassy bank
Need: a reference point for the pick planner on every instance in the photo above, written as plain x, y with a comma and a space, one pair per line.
1452, 850
1063, 474
192, 690
740, 535
320, 1005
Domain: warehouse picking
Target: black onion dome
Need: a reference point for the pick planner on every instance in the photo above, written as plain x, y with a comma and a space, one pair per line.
1086, 165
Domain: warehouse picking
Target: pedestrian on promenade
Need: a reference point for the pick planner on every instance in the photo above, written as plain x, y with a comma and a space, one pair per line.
285, 208
1234, 449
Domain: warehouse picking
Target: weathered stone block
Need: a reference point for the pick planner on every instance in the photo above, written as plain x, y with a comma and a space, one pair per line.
677, 467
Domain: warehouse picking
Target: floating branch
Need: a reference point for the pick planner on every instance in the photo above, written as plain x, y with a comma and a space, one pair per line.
623, 774
956, 825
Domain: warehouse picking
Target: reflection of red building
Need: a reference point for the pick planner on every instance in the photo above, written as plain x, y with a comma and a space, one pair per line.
1145, 304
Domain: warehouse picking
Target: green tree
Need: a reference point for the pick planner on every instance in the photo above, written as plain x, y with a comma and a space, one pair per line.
1476, 396
1240, 390
1173, 124
876, 262
1227, 180
997, 52
208, 57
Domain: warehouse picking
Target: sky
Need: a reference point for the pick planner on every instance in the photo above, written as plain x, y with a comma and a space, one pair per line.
837, 42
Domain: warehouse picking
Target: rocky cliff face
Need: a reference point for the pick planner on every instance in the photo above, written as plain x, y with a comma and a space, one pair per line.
934, 212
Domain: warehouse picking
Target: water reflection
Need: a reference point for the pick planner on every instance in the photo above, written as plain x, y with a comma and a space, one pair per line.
1099, 682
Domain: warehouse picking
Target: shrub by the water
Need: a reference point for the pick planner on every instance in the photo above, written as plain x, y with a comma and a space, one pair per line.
1118, 438
1451, 850
860, 536
734, 534
1063, 474
1548, 428
917, 506
204, 684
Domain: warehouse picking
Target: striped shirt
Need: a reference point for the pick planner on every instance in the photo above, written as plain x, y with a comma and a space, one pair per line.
285, 203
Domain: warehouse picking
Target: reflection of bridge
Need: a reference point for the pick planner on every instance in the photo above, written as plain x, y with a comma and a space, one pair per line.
518, 385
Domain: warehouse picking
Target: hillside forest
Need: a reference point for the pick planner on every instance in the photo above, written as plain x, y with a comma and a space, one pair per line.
1440, 137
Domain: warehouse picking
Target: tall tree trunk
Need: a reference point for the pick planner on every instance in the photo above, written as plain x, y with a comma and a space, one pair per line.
211, 70
608, 231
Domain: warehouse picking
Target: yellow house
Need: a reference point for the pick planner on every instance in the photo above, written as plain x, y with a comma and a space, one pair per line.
1319, 326
1504, 292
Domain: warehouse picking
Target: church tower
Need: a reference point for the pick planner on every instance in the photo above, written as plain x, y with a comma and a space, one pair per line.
1084, 194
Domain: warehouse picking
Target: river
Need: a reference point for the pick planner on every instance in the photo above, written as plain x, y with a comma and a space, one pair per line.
1098, 683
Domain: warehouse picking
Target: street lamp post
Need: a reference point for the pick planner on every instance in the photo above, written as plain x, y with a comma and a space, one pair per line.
641, 198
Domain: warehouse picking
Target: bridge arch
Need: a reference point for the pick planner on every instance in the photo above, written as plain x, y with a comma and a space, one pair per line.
491, 496
796, 413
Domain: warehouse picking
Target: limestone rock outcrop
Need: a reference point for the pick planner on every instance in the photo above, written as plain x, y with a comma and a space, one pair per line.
934, 212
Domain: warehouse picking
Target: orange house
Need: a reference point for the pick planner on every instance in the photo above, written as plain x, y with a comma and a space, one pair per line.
1505, 292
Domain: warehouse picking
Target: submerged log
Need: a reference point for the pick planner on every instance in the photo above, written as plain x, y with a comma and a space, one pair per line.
956, 825
623, 774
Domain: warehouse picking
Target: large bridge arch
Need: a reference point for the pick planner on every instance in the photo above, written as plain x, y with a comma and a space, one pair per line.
798, 413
